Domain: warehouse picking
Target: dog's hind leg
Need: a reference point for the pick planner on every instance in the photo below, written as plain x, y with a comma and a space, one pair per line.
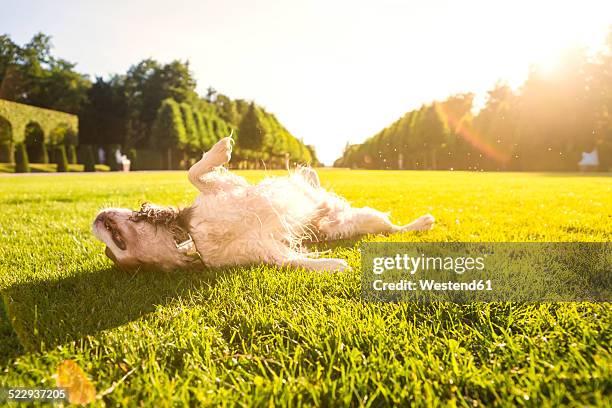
207, 176
360, 221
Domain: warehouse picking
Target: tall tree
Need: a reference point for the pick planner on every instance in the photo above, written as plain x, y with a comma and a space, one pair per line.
169, 131
148, 83
32, 75
191, 130
103, 119
251, 133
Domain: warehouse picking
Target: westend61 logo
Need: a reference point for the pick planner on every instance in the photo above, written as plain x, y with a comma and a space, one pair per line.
487, 272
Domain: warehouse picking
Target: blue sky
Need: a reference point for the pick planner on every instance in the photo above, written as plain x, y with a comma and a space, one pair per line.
332, 71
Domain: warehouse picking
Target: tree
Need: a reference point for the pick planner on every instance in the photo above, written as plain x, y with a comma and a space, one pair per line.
191, 130
104, 117
227, 109
147, 84
169, 130
435, 131
88, 158
31, 75
204, 136
121, 111
9, 76
251, 133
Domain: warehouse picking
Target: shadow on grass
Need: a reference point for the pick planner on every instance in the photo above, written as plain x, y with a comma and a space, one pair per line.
45, 314
10, 345
40, 315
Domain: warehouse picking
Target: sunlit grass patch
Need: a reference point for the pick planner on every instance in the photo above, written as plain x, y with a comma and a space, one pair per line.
251, 335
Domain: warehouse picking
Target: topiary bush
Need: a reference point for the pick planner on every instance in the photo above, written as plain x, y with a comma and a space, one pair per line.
71, 153
22, 164
61, 159
50, 154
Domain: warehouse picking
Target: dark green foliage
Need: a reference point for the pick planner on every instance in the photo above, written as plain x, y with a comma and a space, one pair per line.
149, 159
35, 143
61, 158
110, 156
132, 156
88, 158
192, 135
103, 120
133, 110
169, 131
6, 153
50, 153
22, 164
6, 141
30, 74
251, 132
145, 86
169, 128
205, 138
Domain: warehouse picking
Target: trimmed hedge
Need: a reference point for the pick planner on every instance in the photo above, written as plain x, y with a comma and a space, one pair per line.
54, 124
61, 159
22, 164
71, 152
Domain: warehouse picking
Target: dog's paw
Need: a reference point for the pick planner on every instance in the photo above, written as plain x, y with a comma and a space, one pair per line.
220, 153
423, 223
335, 265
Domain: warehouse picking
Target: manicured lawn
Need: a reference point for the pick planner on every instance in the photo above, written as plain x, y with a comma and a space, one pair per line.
48, 167
261, 335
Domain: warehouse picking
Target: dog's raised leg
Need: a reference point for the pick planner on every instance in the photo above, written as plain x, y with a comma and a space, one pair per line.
204, 175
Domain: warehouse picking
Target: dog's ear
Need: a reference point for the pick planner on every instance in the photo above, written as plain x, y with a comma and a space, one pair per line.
156, 214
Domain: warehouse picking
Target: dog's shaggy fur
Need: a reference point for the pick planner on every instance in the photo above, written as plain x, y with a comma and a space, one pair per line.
235, 223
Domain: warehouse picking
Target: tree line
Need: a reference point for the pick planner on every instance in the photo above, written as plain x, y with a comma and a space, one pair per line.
152, 113
544, 125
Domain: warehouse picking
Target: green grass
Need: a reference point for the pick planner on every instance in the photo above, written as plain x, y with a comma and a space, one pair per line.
261, 335
49, 167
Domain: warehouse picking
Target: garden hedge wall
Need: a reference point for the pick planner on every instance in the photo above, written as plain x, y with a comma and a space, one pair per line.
57, 127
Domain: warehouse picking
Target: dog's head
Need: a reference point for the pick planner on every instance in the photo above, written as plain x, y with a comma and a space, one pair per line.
153, 237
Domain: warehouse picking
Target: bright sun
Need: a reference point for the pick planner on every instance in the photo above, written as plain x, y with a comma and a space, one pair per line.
551, 29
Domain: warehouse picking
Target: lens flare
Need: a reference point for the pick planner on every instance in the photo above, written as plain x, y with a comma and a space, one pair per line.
472, 137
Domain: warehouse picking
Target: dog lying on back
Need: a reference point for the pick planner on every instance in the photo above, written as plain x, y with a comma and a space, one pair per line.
234, 223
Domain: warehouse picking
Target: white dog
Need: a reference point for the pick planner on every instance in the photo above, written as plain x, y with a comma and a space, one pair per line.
235, 223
